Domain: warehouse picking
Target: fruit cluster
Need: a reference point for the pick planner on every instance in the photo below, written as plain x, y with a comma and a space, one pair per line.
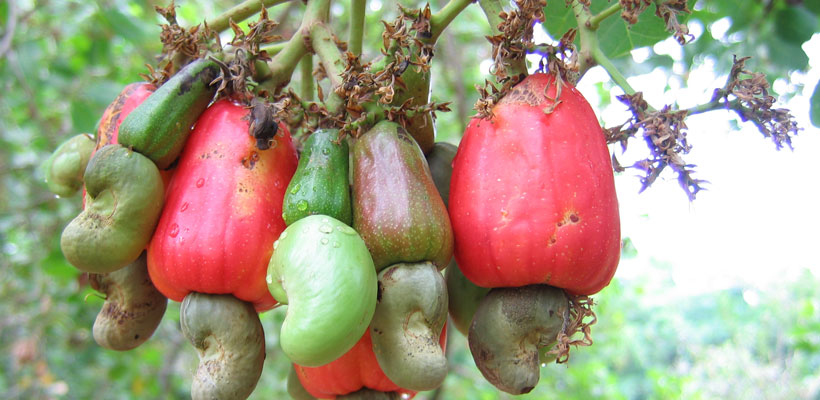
351, 233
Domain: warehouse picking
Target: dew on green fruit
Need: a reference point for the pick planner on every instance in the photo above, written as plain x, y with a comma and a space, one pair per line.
296, 188
268, 277
325, 228
283, 235
302, 205
336, 244
324, 241
275, 244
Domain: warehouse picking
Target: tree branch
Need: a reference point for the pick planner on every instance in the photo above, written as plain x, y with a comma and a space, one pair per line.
284, 63
239, 13
595, 21
331, 58
306, 72
357, 10
440, 20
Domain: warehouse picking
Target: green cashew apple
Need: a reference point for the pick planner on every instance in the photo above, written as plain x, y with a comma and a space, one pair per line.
322, 270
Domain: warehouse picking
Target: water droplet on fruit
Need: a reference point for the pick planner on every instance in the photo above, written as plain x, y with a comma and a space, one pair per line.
200, 182
324, 241
184, 207
269, 279
543, 365
276, 244
295, 189
283, 235
302, 205
174, 230
325, 228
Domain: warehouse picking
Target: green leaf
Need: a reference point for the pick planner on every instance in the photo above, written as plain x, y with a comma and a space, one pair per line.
814, 111
786, 54
795, 24
124, 27
616, 37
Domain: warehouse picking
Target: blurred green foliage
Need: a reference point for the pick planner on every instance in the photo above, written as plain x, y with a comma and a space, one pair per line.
68, 60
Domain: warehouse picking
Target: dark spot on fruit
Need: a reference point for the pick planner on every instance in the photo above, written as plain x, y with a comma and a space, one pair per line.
136, 337
250, 161
574, 218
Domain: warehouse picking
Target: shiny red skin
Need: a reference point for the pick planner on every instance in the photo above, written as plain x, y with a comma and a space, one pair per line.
223, 210
532, 195
356, 369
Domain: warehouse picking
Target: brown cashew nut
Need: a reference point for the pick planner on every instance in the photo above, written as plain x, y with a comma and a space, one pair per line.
230, 341
510, 328
407, 324
133, 307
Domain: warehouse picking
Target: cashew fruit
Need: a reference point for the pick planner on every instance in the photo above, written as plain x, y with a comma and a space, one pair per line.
510, 329
230, 341
65, 167
407, 325
355, 370
396, 207
322, 270
159, 126
532, 195
463, 297
320, 183
223, 210
133, 307
129, 98
124, 196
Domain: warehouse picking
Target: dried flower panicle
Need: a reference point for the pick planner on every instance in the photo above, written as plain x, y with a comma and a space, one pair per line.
578, 318
754, 103
406, 47
664, 132
180, 44
509, 46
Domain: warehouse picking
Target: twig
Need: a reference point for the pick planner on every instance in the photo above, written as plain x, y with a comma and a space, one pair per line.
11, 26
440, 20
357, 10
595, 21
240, 12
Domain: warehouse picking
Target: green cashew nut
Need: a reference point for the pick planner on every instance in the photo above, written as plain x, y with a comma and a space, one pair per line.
321, 268
133, 307
230, 341
124, 195
464, 296
64, 169
509, 328
406, 327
